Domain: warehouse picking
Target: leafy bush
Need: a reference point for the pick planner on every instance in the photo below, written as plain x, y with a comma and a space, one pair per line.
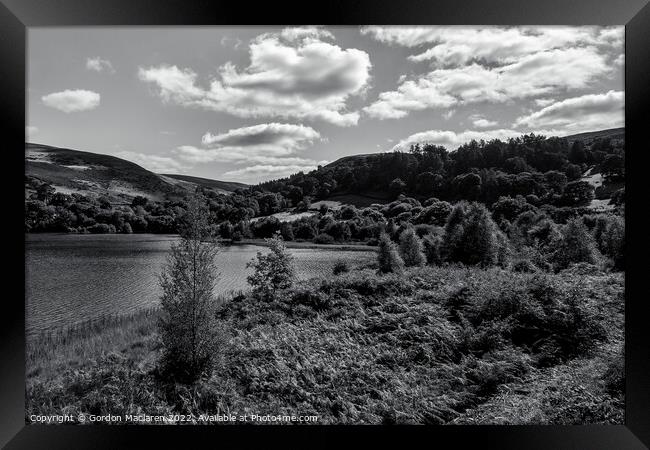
471, 236
340, 267
575, 246
433, 248
387, 256
271, 271
410, 248
323, 238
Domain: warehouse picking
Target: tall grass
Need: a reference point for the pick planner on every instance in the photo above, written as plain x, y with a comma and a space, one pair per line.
49, 351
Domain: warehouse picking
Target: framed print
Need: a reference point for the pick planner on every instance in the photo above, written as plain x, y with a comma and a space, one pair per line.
404, 221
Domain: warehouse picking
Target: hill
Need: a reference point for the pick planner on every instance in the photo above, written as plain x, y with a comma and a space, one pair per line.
220, 186
365, 179
615, 134
73, 171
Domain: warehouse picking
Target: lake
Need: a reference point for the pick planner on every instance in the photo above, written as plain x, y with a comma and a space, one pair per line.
72, 278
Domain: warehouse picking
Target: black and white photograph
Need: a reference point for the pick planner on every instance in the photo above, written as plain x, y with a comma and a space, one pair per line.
325, 225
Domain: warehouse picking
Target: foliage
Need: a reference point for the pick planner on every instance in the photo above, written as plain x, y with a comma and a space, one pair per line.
271, 271
576, 245
435, 345
187, 326
388, 258
340, 267
410, 248
471, 236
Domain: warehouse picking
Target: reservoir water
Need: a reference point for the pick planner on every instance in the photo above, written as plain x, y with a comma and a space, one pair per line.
72, 278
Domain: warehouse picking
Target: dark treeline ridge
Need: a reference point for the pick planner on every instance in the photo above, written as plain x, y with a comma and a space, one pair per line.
526, 174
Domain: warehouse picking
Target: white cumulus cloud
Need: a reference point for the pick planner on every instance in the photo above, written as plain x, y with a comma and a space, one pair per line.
481, 122
451, 140
531, 76
292, 74
98, 64
460, 45
72, 100
584, 113
267, 147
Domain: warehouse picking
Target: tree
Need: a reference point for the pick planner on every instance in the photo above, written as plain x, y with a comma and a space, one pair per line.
188, 324
471, 236
577, 193
397, 186
410, 248
613, 167
287, 231
387, 256
576, 245
577, 154
271, 271
433, 248
468, 186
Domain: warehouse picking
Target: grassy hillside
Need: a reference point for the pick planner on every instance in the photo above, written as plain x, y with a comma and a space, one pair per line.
439, 345
617, 134
84, 172
221, 186
74, 171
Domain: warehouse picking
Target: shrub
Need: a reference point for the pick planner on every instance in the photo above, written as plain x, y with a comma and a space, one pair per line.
101, 228
323, 238
609, 234
614, 375
471, 236
410, 248
387, 257
287, 231
432, 244
340, 267
435, 213
576, 245
271, 271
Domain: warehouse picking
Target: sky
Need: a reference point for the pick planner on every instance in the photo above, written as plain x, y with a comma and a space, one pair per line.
252, 104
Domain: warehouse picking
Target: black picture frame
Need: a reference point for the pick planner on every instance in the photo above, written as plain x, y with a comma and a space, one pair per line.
18, 15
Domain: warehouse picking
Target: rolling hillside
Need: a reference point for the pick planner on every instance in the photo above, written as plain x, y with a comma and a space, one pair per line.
615, 134
189, 181
74, 171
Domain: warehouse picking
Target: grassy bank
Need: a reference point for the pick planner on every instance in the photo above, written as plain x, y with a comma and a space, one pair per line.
436, 345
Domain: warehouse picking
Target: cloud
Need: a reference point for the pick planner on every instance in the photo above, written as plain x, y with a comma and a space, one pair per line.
481, 122
154, 163
267, 142
292, 74
531, 76
269, 148
259, 173
452, 140
584, 113
283, 135
72, 100
30, 131
544, 101
98, 64
459, 45
227, 41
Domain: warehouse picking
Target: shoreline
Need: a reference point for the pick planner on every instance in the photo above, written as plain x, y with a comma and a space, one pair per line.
343, 246
309, 245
